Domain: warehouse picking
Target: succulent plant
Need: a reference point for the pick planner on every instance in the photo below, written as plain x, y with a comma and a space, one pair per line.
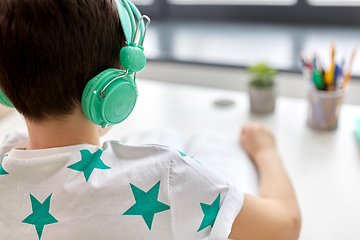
262, 75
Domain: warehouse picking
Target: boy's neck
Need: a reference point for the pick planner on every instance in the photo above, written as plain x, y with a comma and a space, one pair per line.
71, 130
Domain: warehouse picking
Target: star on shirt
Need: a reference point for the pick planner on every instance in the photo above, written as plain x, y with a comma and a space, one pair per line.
210, 213
40, 216
146, 204
89, 162
184, 155
2, 170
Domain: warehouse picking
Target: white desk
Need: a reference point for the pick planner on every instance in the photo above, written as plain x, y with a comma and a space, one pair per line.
323, 166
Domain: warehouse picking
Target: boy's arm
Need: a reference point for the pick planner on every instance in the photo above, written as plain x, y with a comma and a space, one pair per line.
275, 213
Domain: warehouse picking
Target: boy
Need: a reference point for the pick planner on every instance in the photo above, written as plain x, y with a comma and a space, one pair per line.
56, 182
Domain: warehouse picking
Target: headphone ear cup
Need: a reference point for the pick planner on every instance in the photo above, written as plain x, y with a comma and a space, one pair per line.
4, 100
132, 58
118, 102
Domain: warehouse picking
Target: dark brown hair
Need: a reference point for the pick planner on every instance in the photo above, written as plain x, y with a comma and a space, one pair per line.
50, 49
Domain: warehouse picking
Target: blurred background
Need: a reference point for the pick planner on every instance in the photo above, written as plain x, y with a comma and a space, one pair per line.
211, 42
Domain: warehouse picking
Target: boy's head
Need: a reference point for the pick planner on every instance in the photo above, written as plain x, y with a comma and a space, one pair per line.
50, 49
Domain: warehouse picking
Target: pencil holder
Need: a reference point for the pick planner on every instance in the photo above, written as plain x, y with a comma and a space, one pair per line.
324, 107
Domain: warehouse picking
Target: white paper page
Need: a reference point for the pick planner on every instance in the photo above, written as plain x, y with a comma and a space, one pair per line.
225, 157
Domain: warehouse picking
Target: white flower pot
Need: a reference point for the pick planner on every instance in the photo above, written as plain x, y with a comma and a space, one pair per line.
262, 100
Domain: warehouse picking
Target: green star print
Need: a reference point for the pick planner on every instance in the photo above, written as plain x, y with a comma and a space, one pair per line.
184, 155
210, 213
146, 203
40, 216
2, 171
89, 162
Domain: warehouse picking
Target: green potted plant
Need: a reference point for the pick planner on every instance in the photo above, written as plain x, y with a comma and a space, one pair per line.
262, 88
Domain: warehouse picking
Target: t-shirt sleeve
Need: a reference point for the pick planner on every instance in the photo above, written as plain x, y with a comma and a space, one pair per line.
203, 205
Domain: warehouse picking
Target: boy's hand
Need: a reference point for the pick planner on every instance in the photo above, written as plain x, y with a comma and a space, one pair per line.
257, 140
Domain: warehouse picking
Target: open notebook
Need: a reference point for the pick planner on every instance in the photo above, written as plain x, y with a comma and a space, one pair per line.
217, 152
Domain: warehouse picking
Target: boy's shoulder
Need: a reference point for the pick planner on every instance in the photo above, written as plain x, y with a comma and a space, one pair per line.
113, 151
115, 154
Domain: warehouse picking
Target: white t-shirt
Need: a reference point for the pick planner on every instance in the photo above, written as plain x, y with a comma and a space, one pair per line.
114, 192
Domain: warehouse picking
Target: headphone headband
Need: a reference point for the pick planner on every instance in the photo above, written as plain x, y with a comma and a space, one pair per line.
128, 21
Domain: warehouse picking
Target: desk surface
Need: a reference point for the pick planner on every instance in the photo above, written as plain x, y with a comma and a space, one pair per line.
323, 166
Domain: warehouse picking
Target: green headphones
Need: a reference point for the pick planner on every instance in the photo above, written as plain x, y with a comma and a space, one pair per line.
110, 96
